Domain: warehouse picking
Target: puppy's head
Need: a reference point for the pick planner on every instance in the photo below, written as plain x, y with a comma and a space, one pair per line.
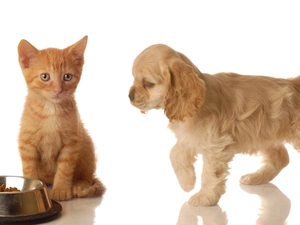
166, 79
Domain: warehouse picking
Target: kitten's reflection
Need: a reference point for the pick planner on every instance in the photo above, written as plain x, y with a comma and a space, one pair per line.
275, 206
82, 209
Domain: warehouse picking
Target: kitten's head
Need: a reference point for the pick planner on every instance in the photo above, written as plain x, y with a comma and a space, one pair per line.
52, 73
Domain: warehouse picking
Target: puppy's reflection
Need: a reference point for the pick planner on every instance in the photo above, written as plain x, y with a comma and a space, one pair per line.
275, 206
211, 215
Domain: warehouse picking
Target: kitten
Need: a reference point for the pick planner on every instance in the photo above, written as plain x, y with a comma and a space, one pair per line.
53, 143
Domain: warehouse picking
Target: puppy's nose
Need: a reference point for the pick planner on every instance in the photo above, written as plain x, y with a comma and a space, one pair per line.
131, 96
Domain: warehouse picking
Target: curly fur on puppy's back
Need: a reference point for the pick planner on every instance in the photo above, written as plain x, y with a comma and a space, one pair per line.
252, 107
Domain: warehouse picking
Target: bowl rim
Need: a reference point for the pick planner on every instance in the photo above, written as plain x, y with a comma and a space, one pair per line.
24, 178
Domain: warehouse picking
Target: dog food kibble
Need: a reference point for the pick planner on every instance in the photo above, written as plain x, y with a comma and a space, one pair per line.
3, 188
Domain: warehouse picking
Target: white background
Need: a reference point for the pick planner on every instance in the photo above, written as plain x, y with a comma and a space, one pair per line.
247, 37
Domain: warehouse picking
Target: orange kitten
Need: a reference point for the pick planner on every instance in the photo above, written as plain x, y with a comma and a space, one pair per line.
53, 143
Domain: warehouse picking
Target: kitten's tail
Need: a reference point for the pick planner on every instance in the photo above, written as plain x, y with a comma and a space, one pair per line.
97, 189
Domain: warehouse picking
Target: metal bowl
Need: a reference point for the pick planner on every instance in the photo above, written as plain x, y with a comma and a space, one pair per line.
32, 198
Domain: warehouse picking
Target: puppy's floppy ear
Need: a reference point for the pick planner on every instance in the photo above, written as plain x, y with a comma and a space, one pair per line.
185, 91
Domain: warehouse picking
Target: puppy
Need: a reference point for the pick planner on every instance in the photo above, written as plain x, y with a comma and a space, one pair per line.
217, 116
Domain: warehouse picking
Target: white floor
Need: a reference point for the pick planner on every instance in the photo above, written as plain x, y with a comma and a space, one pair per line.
150, 195
142, 189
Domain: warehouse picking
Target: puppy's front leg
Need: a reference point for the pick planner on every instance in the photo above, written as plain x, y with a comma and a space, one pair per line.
214, 173
183, 160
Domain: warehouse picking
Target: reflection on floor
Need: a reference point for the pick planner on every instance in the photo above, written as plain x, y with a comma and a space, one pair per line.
274, 209
156, 198
147, 193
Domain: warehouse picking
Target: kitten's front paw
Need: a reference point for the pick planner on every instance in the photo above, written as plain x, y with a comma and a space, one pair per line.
79, 188
204, 198
61, 194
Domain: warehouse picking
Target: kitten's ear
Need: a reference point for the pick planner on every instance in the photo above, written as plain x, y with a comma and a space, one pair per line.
27, 54
77, 50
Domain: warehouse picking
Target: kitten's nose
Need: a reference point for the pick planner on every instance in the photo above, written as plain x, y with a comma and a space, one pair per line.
131, 96
58, 92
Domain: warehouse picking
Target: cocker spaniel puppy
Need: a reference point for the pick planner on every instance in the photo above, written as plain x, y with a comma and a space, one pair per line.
217, 116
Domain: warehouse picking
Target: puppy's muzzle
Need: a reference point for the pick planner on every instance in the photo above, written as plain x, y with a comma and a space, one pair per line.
131, 96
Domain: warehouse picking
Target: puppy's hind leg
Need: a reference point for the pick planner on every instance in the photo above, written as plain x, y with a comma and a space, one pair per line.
274, 159
183, 160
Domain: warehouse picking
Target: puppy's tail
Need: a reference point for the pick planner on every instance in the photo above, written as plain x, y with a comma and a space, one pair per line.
296, 80
96, 189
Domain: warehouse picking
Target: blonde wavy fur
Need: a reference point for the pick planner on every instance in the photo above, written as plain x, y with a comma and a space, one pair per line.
217, 116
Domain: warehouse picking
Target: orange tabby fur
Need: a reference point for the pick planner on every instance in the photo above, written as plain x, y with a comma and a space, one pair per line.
53, 143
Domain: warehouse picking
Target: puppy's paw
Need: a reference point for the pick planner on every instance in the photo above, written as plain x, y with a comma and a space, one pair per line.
204, 198
255, 178
60, 194
186, 179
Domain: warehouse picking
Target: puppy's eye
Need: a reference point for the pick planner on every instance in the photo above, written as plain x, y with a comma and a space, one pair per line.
148, 84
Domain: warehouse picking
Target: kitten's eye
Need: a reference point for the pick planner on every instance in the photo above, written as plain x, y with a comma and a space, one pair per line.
45, 77
68, 77
148, 84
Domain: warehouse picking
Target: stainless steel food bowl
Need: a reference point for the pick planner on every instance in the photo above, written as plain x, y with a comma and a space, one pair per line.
31, 200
